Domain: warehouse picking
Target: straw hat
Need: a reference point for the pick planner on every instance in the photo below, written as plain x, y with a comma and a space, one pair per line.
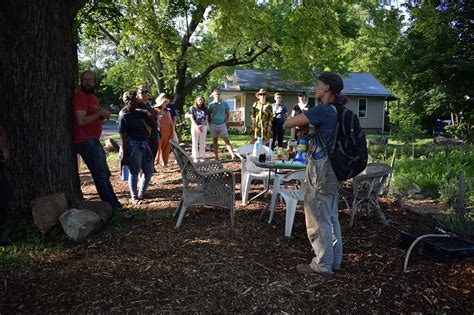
128, 96
261, 92
161, 100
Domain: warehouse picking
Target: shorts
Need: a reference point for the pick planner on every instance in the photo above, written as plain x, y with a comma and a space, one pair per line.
219, 130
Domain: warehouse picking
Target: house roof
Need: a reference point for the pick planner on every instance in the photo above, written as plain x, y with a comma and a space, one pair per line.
355, 83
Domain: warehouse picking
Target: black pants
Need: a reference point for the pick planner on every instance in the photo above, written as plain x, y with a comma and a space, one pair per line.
4, 196
278, 132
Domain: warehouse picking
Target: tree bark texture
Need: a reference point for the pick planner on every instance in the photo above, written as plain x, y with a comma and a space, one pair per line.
38, 62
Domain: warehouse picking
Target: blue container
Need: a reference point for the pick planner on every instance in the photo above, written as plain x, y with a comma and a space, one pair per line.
124, 172
302, 149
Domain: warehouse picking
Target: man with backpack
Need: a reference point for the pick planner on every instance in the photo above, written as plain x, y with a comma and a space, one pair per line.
321, 186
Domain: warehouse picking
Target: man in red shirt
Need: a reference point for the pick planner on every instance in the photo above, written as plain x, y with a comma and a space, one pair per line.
87, 123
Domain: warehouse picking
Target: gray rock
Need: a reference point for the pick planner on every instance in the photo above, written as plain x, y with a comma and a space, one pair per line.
79, 224
102, 208
47, 209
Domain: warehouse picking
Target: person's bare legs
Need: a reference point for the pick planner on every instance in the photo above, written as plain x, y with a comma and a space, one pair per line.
216, 147
229, 147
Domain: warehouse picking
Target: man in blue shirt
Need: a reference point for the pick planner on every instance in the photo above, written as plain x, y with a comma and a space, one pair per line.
321, 186
218, 116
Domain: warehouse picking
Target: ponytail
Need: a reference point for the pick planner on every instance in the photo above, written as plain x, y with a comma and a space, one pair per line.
340, 99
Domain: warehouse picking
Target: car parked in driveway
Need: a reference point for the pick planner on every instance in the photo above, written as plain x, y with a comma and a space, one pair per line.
439, 128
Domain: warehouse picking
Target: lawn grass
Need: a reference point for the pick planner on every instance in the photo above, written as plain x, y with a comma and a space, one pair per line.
236, 140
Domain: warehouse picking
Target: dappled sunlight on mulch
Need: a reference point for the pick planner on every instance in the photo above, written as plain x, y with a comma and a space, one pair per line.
145, 265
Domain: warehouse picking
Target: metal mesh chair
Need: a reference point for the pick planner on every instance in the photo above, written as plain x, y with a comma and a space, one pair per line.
365, 190
204, 183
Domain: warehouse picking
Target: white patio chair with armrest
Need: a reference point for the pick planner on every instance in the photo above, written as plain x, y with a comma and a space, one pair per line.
290, 196
365, 190
204, 183
249, 171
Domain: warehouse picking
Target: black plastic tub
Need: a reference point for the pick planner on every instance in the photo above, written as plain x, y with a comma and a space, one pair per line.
446, 249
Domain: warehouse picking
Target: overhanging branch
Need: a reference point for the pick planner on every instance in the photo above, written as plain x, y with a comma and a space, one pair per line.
225, 63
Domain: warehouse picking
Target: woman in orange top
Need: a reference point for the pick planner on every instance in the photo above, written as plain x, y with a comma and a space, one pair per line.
165, 127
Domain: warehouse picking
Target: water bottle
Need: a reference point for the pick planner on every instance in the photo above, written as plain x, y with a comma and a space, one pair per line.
124, 172
256, 147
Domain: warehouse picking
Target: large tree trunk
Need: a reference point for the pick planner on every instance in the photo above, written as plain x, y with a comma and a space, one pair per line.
38, 62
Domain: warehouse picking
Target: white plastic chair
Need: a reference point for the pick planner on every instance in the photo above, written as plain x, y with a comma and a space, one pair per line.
290, 196
249, 171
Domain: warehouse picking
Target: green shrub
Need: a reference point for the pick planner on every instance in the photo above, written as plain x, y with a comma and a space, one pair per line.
183, 128
431, 170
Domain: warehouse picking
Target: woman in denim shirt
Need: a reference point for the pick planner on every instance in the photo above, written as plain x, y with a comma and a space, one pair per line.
135, 134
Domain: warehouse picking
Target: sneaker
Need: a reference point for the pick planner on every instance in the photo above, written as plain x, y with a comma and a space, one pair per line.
136, 201
126, 214
142, 196
307, 270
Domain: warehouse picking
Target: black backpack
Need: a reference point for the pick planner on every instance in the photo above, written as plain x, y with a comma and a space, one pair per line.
348, 155
349, 152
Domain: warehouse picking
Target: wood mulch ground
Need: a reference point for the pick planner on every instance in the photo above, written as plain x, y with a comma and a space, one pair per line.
144, 265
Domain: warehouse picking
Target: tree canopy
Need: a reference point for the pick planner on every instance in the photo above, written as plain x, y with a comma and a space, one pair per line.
185, 47
176, 45
438, 60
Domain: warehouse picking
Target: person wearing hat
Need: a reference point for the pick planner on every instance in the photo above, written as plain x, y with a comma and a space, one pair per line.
218, 115
166, 129
321, 185
262, 117
298, 108
135, 133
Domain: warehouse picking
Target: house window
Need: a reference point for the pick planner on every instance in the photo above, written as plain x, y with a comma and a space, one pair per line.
232, 103
362, 112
